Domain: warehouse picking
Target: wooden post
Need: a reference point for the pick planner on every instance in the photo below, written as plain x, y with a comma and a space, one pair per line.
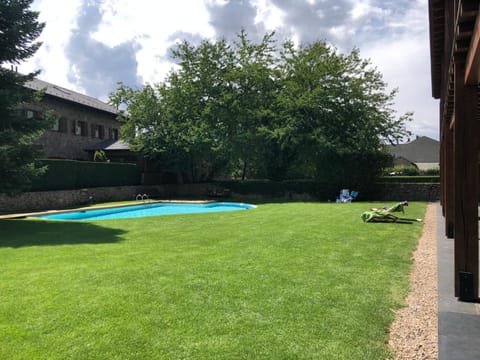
466, 187
449, 182
442, 158
442, 169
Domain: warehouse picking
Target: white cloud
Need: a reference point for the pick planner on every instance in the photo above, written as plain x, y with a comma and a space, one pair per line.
151, 24
50, 58
341, 33
129, 19
268, 14
364, 9
393, 34
412, 78
404, 61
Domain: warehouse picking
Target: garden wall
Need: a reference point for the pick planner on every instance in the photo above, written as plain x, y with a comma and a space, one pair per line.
410, 192
50, 200
62, 199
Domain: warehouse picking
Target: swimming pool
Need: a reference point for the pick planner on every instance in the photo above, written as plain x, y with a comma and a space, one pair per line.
155, 209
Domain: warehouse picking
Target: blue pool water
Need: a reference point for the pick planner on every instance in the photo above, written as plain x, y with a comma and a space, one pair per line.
138, 211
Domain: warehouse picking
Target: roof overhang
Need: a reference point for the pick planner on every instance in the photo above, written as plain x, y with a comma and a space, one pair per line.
437, 42
454, 40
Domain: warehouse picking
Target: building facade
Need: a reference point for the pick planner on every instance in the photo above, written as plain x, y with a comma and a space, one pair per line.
81, 122
455, 73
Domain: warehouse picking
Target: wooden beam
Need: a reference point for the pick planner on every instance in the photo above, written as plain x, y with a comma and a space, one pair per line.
472, 66
468, 9
442, 158
466, 179
442, 175
451, 126
437, 43
464, 30
462, 45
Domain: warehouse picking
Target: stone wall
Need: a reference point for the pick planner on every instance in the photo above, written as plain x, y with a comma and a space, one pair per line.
63, 199
410, 192
56, 200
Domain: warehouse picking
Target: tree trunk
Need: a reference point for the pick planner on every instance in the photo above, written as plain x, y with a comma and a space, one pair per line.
244, 170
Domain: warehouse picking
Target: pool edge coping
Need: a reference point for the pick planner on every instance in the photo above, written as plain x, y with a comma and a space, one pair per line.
86, 208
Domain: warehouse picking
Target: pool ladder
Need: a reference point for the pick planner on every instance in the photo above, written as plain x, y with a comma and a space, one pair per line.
143, 197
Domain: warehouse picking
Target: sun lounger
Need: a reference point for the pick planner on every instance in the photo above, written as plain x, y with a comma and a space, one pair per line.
387, 214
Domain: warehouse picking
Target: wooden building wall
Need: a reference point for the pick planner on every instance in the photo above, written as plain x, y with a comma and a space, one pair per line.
455, 60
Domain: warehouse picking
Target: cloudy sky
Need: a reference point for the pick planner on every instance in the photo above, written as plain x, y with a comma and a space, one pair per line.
90, 45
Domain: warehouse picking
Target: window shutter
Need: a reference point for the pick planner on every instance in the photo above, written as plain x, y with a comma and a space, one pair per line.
63, 125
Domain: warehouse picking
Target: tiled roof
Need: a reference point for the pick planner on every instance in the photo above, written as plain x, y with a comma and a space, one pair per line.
421, 150
109, 145
60, 92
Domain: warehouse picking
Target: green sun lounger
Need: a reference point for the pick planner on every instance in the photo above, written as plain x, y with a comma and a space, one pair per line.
387, 214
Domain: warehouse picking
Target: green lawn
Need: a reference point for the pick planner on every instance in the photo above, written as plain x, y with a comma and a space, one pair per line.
283, 281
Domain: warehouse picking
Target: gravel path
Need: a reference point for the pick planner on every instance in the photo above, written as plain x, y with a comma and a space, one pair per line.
414, 333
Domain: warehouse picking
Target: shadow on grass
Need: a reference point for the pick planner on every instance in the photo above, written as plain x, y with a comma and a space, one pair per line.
21, 233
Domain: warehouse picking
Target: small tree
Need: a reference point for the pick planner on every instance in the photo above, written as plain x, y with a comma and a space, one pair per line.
19, 28
100, 156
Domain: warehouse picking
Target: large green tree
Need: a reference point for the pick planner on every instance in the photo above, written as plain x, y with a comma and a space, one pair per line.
205, 118
252, 93
179, 124
19, 29
259, 110
336, 114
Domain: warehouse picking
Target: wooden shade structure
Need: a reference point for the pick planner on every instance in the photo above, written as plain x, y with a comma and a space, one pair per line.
455, 68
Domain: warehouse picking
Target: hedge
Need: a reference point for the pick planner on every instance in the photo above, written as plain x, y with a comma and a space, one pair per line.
273, 189
410, 179
320, 191
71, 174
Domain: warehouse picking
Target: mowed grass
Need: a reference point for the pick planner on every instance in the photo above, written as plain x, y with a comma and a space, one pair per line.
283, 281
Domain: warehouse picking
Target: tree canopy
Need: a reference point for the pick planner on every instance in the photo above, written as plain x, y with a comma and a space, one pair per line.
19, 28
263, 110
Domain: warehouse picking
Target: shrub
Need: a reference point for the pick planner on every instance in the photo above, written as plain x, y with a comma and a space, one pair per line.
268, 188
410, 171
431, 172
409, 179
402, 171
100, 156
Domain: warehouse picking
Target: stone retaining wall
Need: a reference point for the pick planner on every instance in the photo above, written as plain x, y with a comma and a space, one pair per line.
410, 192
56, 200
63, 199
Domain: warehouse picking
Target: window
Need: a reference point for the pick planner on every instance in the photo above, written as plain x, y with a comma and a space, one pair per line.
56, 125
79, 128
113, 134
59, 125
32, 114
98, 131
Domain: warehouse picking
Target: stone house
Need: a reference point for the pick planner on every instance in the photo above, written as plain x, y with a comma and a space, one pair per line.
81, 122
